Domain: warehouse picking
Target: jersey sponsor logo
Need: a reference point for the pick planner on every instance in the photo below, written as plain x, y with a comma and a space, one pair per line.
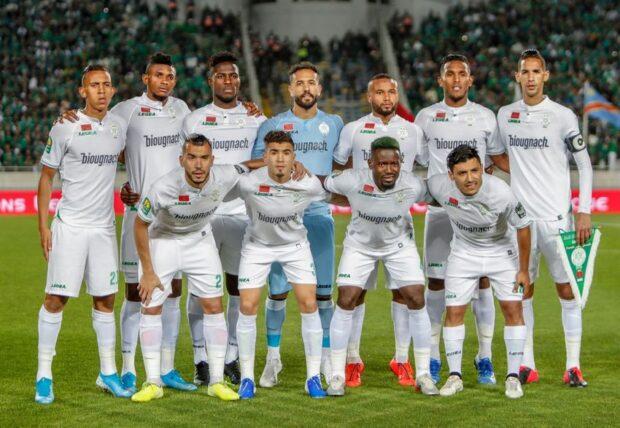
369, 128
183, 200
194, 216
528, 143
98, 159
311, 146
57, 285
209, 121
440, 116
48, 146
86, 129
163, 140
433, 264
515, 117
264, 189
453, 144
276, 219
474, 229
344, 275
145, 111
379, 219
453, 202
244, 280
227, 145
368, 188
520, 210
146, 206
288, 127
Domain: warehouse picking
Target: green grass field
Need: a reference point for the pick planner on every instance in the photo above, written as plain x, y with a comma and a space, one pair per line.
381, 401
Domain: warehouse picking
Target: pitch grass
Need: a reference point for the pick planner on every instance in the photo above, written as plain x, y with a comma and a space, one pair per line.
381, 401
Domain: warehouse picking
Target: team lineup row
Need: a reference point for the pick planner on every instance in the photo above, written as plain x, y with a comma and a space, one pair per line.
227, 226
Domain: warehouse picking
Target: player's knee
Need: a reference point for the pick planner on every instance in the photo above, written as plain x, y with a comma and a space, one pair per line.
104, 303
484, 283
212, 306
347, 300
361, 298
308, 306
436, 284
177, 288
398, 298
232, 284
455, 315
54, 303
513, 313
248, 306
131, 292
565, 292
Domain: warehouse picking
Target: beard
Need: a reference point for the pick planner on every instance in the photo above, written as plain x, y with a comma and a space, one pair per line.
226, 98
382, 111
306, 105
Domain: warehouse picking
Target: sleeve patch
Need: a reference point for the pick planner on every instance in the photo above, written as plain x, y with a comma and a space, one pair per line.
520, 210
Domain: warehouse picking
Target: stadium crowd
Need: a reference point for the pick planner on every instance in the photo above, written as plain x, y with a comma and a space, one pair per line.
50, 42
492, 33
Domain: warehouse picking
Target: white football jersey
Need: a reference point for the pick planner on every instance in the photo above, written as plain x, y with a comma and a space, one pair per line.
356, 138
446, 128
276, 210
154, 138
480, 222
380, 219
85, 153
539, 140
175, 208
232, 134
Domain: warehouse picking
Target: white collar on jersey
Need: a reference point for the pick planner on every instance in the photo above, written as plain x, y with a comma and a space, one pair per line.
455, 110
540, 106
146, 101
372, 118
90, 119
239, 108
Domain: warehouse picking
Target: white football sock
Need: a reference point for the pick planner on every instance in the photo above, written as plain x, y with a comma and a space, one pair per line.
402, 335
528, 349
435, 306
150, 342
170, 321
514, 338
453, 338
196, 328
420, 327
312, 335
339, 332
49, 327
484, 312
217, 340
353, 349
232, 315
246, 339
105, 329
130, 329
571, 321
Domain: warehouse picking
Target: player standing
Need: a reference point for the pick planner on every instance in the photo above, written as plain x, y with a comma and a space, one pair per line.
232, 132
355, 144
81, 244
380, 229
178, 207
540, 136
446, 125
481, 208
315, 134
275, 204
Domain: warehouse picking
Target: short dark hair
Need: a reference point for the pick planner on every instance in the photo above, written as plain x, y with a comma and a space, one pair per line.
531, 53
220, 57
196, 140
279, 137
384, 143
158, 58
462, 153
304, 65
379, 77
93, 67
453, 57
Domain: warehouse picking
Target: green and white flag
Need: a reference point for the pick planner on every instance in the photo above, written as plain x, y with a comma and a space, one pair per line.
578, 261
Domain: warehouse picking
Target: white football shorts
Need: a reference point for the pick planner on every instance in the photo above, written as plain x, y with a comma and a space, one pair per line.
437, 237
544, 235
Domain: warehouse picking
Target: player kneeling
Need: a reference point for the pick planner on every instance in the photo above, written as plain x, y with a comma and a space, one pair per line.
178, 208
275, 204
481, 207
380, 229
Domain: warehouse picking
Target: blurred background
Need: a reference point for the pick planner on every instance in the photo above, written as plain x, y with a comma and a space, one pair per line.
44, 45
